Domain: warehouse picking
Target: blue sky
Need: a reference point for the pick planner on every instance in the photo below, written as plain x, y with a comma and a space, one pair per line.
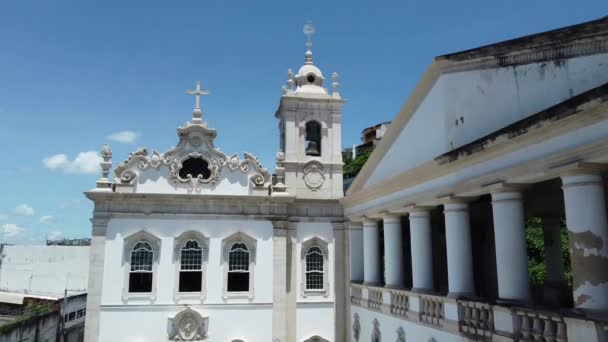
72, 73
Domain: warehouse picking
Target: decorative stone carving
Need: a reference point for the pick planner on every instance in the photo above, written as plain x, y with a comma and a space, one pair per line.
400, 335
376, 335
189, 325
195, 141
314, 175
103, 184
356, 327
316, 338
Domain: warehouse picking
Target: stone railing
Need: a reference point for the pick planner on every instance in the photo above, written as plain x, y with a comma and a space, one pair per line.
375, 299
476, 319
399, 302
356, 294
537, 326
431, 309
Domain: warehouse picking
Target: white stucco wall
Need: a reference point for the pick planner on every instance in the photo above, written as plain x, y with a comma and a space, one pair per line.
44, 270
487, 100
230, 183
249, 323
315, 319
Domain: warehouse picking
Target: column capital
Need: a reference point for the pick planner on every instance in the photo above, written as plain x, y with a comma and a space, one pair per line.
453, 199
418, 211
370, 222
581, 178
580, 167
504, 187
391, 218
354, 225
455, 207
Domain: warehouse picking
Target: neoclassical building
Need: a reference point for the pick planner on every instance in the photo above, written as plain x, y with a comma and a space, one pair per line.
193, 244
489, 139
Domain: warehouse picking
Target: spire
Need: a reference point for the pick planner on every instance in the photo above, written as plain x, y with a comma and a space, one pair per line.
309, 30
197, 114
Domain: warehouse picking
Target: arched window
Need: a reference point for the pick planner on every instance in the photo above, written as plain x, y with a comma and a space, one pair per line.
238, 268
313, 138
314, 269
191, 267
140, 273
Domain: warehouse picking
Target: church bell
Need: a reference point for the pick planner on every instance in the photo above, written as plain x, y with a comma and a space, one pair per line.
313, 149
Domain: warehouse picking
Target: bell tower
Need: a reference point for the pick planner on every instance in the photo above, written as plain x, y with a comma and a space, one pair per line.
310, 120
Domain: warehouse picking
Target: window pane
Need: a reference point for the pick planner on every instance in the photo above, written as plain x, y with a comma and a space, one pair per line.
238, 258
140, 282
191, 256
238, 281
314, 260
314, 281
141, 257
190, 281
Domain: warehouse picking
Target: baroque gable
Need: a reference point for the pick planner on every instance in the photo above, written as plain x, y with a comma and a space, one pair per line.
193, 164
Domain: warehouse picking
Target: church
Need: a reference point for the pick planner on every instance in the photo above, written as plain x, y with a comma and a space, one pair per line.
429, 244
193, 244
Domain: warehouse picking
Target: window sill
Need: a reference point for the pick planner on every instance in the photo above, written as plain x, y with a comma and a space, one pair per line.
238, 295
189, 296
151, 296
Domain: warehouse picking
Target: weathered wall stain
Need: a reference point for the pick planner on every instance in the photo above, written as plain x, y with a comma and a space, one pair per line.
582, 299
591, 268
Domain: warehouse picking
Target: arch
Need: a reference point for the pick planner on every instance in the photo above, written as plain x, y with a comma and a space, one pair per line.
313, 138
316, 338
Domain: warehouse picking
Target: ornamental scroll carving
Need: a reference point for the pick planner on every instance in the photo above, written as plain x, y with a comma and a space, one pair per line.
195, 141
189, 325
356, 327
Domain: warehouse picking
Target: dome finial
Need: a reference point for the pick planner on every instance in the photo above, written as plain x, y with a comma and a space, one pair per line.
309, 30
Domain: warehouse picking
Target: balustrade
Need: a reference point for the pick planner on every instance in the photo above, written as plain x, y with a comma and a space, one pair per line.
475, 319
374, 300
356, 294
536, 326
431, 309
399, 303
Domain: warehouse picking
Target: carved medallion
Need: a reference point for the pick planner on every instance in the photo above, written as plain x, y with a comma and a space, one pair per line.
189, 325
313, 175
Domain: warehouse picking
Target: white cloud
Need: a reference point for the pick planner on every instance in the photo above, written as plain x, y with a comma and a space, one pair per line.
54, 235
84, 163
124, 137
47, 219
3, 217
24, 210
12, 230
70, 204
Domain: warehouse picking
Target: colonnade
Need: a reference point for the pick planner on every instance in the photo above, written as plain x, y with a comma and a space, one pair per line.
586, 218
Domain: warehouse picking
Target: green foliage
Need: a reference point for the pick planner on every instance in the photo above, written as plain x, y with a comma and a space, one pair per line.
353, 166
536, 251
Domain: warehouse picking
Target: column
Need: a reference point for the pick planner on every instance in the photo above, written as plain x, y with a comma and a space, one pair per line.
422, 253
96, 262
355, 242
585, 204
554, 260
279, 287
510, 244
371, 255
393, 251
459, 252
341, 284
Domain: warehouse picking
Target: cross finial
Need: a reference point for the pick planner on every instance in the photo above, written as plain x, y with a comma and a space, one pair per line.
309, 30
197, 113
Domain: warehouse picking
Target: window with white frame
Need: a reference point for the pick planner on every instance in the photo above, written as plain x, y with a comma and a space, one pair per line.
238, 268
238, 257
314, 269
141, 256
191, 267
141, 273
314, 265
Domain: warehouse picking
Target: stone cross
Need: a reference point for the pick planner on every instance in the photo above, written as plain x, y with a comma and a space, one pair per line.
197, 93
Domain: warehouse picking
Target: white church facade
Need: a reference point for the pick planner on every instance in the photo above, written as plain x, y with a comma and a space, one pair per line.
428, 244
196, 245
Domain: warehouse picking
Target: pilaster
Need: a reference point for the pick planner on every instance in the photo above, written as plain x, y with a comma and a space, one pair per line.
279, 287
96, 262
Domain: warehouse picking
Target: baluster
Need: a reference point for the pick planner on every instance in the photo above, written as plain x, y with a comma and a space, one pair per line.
483, 318
537, 329
561, 335
525, 328
549, 331
439, 309
475, 317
